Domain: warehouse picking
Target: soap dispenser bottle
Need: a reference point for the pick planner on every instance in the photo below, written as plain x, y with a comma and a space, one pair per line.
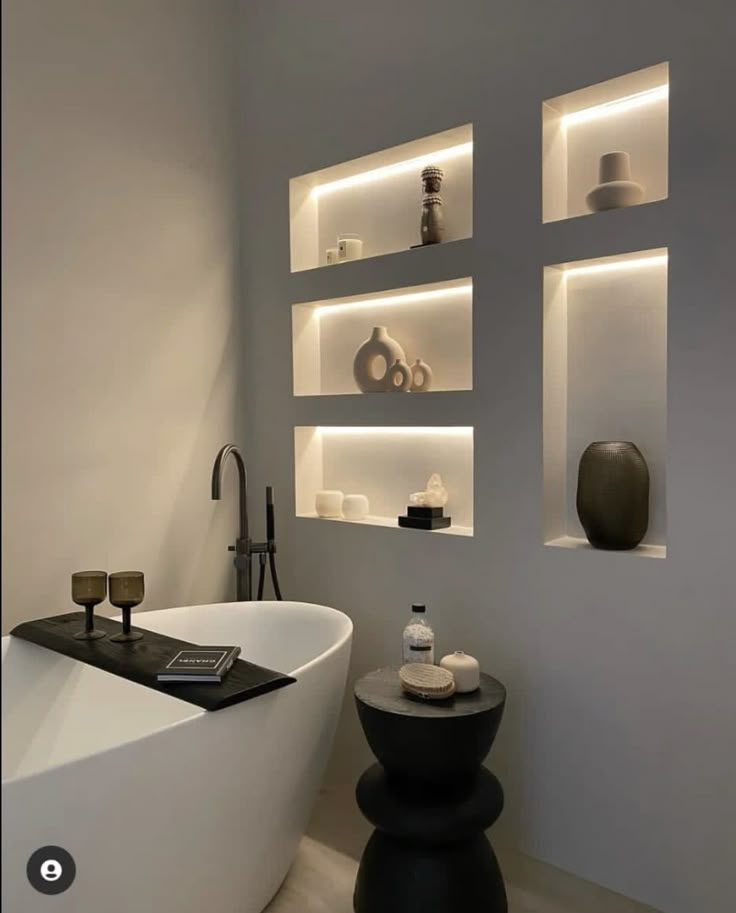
418, 641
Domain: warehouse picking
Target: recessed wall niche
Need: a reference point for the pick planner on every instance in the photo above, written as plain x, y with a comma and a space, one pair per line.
628, 114
378, 197
605, 378
433, 322
386, 464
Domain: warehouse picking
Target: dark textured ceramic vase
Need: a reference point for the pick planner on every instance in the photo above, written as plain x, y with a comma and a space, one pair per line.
613, 495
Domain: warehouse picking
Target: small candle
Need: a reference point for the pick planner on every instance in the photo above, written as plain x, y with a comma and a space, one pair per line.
328, 503
355, 507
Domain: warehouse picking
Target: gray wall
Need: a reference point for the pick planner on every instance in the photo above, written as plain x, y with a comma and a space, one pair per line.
120, 330
617, 748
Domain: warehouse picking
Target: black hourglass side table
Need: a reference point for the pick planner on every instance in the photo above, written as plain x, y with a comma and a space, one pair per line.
430, 800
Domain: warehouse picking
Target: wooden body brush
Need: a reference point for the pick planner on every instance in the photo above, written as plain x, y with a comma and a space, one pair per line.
431, 683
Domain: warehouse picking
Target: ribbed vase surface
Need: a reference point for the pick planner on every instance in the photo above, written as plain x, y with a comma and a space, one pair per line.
613, 495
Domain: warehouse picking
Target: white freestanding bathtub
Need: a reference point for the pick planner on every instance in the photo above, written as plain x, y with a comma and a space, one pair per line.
164, 807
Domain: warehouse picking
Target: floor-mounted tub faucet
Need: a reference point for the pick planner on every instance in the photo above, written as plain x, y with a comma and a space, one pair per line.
244, 548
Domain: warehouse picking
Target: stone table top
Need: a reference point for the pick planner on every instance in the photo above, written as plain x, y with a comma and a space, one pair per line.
382, 690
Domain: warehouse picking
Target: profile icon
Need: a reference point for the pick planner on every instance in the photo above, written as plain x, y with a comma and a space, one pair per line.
51, 870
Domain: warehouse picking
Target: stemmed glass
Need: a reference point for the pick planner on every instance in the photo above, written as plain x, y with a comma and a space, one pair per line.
126, 591
89, 588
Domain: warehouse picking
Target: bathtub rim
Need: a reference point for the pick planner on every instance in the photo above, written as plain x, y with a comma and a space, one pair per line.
197, 712
325, 654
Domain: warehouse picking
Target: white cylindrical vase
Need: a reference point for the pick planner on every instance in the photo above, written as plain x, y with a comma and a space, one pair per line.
466, 670
328, 503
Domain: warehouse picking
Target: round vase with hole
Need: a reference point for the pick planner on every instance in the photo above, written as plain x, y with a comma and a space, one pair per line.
613, 495
374, 359
399, 377
421, 377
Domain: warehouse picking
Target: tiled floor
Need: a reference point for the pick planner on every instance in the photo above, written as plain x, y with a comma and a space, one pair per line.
321, 881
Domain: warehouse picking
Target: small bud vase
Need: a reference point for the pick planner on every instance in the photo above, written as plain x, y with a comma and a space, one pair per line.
465, 669
421, 377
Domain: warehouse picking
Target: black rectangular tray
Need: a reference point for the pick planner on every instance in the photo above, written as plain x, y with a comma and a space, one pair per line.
140, 660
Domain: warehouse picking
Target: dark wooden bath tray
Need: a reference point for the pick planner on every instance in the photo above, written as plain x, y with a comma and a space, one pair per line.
140, 660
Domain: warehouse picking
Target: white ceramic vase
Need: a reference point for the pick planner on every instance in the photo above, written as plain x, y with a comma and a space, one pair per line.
465, 669
398, 379
328, 503
421, 377
355, 507
615, 188
379, 346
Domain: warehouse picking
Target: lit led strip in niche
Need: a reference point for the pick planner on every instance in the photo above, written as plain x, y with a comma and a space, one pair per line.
377, 174
615, 265
617, 106
448, 431
451, 291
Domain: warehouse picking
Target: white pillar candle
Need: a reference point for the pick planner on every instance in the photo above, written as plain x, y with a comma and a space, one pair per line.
349, 247
466, 670
355, 507
328, 503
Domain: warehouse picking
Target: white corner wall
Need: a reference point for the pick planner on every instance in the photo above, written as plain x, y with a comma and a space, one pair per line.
617, 748
120, 330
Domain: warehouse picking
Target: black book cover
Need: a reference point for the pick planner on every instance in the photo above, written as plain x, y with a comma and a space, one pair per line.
199, 664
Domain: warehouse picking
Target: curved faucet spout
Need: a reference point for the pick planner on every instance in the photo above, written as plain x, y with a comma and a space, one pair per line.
242, 547
245, 549
217, 470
